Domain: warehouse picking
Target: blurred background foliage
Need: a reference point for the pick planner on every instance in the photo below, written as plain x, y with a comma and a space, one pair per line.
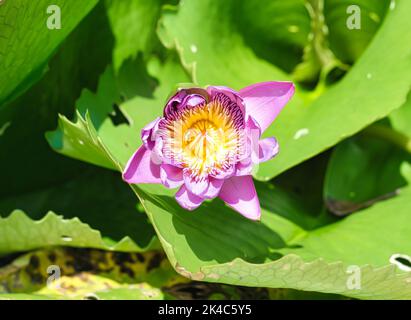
337, 195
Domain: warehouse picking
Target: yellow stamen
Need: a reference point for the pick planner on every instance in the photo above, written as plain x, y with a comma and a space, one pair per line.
204, 138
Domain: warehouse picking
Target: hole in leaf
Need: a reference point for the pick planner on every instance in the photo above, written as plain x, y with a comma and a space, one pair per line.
66, 238
117, 117
90, 296
402, 261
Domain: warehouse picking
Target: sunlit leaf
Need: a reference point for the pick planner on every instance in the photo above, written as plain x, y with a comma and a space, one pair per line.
26, 43
312, 122
362, 170
20, 233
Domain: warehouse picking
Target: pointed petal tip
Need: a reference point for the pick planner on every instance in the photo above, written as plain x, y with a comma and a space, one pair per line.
140, 168
124, 178
268, 148
239, 193
127, 175
252, 216
257, 218
265, 100
187, 200
292, 88
191, 209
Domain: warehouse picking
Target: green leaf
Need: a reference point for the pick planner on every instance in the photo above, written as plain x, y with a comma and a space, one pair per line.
25, 120
97, 197
290, 294
26, 43
361, 171
129, 292
370, 91
311, 123
318, 275
40, 180
79, 140
208, 36
400, 118
318, 59
21, 233
303, 186
24, 296
30, 272
349, 44
371, 236
214, 240
94, 287
214, 243
86, 286
134, 26
276, 31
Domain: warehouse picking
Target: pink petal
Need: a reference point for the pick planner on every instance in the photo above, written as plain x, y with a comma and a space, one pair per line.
188, 200
213, 188
230, 93
240, 194
264, 101
140, 168
157, 151
253, 139
147, 134
223, 173
244, 167
195, 186
171, 176
185, 98
267, 149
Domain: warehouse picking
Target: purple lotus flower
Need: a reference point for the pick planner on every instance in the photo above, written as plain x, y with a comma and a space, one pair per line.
207, 143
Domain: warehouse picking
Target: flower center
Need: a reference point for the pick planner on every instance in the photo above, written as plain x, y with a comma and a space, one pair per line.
206, 138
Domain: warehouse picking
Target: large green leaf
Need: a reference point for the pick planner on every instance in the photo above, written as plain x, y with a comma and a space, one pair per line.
202, 245
82, 141
27, 118
85, 286
40, 180
216, 244
26, 43
134, 26
24, 296
30, 271
318, 59
349, 44
376, 85
93, 287
376, 283
278, 35
217, 48
21, 233
96, 196
400, 119
361, 171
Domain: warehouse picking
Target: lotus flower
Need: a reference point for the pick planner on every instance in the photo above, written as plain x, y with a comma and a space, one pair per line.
207, 143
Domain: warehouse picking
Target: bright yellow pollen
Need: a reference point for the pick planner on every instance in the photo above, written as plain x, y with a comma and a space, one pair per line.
204, 138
